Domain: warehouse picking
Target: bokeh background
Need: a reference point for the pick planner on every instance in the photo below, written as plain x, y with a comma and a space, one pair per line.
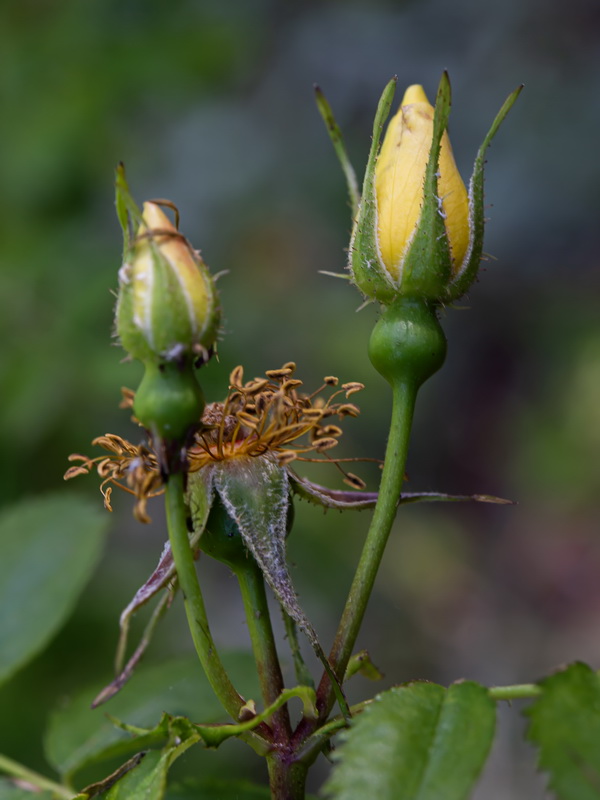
211, 105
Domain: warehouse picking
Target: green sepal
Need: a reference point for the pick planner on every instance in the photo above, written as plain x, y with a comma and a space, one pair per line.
427, 265
199, 499
169, 322
335, 134
343, 499
130, 337
368, 270
124, 673
468, 271
330, 498
172, 321
222, 539
255, 492
126, 207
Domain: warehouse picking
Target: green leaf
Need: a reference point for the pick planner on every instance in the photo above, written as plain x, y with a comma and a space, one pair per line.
148, 781
416, 742
49, 547
78, 736
99, 787
565, 724
8, 791
209, 789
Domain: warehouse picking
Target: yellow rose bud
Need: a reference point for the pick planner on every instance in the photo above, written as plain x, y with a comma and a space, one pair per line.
417, 233
399, 184
168, 306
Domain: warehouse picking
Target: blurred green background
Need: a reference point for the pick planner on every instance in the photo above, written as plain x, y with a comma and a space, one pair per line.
210, 104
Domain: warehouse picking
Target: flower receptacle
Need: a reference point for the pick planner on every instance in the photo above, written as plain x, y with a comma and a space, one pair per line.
408, 344
169, 400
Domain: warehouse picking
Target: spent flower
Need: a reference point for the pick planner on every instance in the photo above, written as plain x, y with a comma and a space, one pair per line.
266, 417
239, 476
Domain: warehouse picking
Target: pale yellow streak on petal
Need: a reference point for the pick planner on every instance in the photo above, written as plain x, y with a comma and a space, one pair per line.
173, 247
178, 253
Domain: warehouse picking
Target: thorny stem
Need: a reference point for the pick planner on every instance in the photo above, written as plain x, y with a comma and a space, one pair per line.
21, 772
286, 780
252, 587
194, 602
404, 395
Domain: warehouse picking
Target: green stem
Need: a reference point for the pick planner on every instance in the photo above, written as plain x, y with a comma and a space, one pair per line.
517, 692
404, 395
252, 587
287, 780
194, 602
17, 770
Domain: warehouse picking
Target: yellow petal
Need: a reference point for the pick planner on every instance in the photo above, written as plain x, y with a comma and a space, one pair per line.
414, 94
155, 217
399, 179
